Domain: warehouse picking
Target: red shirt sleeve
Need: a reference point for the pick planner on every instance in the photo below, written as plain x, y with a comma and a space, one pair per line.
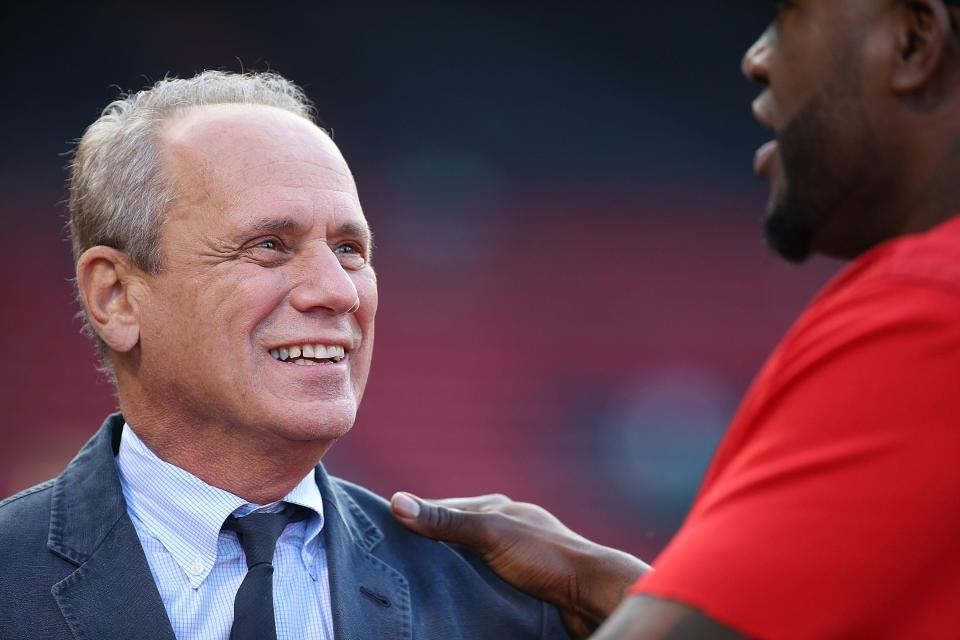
832, 508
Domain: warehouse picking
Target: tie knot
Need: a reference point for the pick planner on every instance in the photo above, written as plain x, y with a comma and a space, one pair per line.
258, 532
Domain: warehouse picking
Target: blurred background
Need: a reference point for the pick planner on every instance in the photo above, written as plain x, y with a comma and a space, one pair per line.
574, 289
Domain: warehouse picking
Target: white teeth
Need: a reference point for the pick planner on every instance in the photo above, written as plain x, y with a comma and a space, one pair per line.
305, 363
298, 353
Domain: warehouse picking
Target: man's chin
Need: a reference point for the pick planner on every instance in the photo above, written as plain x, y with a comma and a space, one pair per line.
320, 422
788, 231
328, 427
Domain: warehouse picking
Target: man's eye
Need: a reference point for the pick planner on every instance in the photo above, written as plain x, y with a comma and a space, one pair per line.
272, 245
347, 248
350, 254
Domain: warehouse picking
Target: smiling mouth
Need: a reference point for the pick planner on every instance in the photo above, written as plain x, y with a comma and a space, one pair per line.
308, 355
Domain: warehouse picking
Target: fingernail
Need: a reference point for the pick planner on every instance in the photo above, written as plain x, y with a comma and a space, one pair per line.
405, 506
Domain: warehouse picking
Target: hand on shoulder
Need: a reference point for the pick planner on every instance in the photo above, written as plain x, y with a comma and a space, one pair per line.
532, 550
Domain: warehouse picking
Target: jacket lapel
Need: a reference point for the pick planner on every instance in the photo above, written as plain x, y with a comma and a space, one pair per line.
112, 593
370, 599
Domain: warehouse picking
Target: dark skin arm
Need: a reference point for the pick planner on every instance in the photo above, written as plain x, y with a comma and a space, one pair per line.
532, 550
648, 618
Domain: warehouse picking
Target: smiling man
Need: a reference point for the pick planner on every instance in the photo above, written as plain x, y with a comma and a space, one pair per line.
223, 264
830, 509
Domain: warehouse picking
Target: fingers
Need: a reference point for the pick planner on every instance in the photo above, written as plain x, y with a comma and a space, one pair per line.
441, 519
489, 502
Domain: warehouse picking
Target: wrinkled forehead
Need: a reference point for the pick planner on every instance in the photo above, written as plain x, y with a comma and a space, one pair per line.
224, 149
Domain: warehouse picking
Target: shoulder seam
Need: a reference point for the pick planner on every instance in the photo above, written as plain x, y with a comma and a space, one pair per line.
27, 492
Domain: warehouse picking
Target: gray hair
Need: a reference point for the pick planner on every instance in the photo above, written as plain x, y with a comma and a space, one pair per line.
119, 195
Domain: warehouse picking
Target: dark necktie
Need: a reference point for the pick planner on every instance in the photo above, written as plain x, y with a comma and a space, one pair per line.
253, 617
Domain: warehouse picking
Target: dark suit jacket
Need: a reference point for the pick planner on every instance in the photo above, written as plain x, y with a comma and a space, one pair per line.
71, 567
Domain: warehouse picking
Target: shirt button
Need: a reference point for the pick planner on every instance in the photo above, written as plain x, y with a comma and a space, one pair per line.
197, 567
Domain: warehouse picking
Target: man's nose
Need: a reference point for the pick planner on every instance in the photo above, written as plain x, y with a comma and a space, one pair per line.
756, 61
323, 283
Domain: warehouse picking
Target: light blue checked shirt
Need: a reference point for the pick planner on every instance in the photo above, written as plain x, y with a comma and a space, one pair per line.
198, 568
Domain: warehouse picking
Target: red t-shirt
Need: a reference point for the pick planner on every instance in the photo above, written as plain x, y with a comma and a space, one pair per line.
832, 507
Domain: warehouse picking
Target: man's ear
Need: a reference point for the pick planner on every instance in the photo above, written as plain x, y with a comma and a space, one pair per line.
923, 34
110, 287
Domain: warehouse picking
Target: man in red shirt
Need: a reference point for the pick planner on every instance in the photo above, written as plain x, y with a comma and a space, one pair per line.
832, 507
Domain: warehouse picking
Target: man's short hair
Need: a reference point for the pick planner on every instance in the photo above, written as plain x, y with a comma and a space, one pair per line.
119, 195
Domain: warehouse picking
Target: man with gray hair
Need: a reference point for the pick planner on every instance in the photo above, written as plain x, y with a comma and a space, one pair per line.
223, 265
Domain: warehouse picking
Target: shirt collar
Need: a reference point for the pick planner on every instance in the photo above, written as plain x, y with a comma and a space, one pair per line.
185, 514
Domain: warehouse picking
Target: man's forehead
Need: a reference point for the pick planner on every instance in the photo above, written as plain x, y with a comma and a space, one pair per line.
244, 134
221, 150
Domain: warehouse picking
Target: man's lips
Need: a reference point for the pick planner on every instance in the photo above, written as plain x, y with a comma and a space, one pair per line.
763, 157
762, 109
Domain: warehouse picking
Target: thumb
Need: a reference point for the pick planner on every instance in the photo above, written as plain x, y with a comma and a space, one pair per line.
437, 521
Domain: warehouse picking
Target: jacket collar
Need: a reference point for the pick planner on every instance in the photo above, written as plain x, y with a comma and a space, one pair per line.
369, 598
111, 594
87, 500
354, 524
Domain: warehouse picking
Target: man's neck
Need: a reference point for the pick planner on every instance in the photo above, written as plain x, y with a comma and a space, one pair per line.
929, 170
259, 471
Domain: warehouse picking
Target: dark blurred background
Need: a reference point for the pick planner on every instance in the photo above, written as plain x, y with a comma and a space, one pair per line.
574, 289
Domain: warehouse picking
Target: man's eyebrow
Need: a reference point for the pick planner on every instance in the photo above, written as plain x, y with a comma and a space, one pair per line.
356, 230
273, 225
276, 225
